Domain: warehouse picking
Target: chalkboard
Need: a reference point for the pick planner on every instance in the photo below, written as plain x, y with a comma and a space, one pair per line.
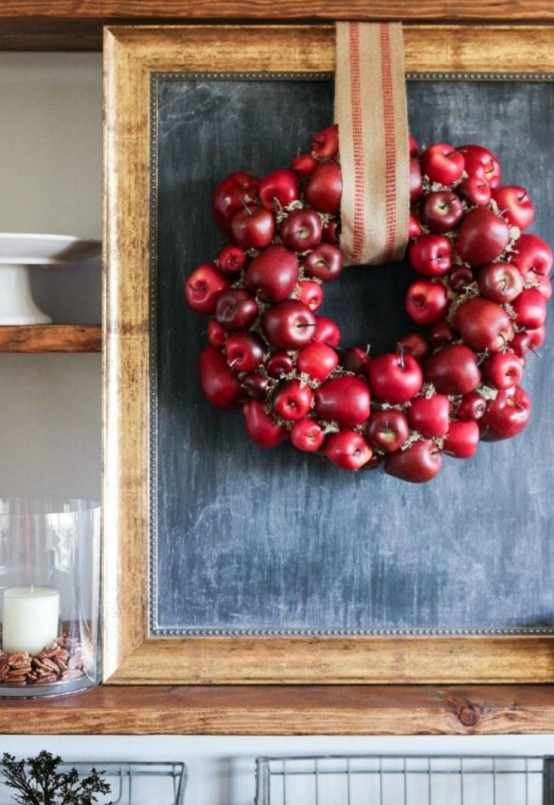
246, 541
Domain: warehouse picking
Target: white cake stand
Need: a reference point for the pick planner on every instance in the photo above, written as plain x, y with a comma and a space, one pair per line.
17, 253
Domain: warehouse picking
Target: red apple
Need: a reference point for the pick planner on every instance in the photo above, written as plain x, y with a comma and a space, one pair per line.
482, 236
219, 384
348, 450
279, 188
304, 164
395, 378
453, 370
441, 211
481, 162
253, 227
471, 406
532, 256
500, 282
483, 324
307, 434
414, 227
324, 262
279, 364
442, 163
416, 180
426, 301
418, 463
506, 416
324, 188
244, 351
301, 230
462, 439
543, 285
502, 370
430, 416
331, 231
325, 143
475, 190
255, 386
441, 333
203, 287
530, 309
317, 360
356, 360
387, 430
431, 255
413, 146
344, 400
515, 205
229, 197
273, 274
261, 427
527, 341
216, 333
413, 344
310, 293
459, 278
235, 309
292, 400
289, 324
232, 259
326, 331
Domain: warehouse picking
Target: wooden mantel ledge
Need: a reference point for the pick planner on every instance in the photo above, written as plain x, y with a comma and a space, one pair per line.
51, 338
287, 710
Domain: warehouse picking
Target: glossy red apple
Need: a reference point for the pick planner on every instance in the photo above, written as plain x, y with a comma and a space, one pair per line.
289, 324
459, 278
441, 211
429, 416
279, 188
230, 195
232, 259
500, 282
307, 434
356, 360
416, 180
301, 230
481, 162
532, 256
530, 309
253, 227
261, 427
348, 450
527, 341
279, 364
419, 463
255, 386
325, 143
317, 360
395, 378
483, 324
344, 400
235, 309
310, 293
440, 333
426, 301
324, 262
471, 406
203, 287
482, 236
216, 333
244, 351
453, 370
326, 331
515, 205
414, 226
413, 146
304, 164
442, 163
273, 273
413, 344
431, 255
331, 231
475, 190
292, 400
543, 285
462, 439
502, 370
387, 430
219, 383
506, 416
324, 188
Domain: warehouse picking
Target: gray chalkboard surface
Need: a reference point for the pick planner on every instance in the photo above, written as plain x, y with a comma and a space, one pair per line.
251, 541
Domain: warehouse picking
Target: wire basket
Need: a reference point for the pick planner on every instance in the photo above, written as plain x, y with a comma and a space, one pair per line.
131, 783
406, 780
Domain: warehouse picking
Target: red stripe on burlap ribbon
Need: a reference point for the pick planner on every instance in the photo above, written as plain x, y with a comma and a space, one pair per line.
370, 109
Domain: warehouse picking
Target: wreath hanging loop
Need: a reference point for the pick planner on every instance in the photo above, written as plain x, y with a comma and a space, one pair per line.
478, 298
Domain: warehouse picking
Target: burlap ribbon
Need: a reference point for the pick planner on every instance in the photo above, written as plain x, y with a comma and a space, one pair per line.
370, 109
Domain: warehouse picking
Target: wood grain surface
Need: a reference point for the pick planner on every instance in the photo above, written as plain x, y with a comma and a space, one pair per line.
288, 710
51, 338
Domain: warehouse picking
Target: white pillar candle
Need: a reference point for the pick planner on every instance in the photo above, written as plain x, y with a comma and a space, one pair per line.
31, 616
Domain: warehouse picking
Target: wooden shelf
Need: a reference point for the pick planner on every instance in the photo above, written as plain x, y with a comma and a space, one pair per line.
66, 25
51, 338
287, 710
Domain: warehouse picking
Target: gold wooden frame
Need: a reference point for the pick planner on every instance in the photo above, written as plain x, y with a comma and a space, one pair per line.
132, 54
